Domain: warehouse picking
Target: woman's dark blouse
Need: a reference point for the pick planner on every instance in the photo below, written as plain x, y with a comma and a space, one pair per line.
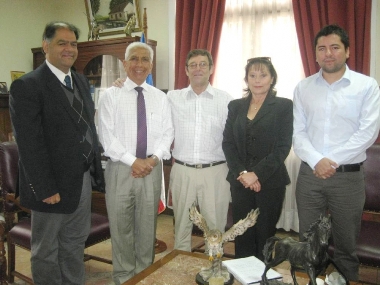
260, 145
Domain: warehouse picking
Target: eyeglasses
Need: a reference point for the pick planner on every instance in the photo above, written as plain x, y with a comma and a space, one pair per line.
259, 58
202, 65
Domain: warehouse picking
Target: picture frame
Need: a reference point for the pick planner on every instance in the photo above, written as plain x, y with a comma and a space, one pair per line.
3, 88
16, 74
99, 17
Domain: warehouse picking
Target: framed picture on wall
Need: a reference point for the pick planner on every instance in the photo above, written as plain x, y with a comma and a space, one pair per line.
3, 88
106, 17
16, 74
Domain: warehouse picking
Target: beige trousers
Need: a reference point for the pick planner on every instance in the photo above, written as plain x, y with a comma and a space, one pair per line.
209, 188
132, 205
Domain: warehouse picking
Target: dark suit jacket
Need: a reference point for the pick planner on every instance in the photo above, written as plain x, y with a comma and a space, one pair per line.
49, 141
273, 126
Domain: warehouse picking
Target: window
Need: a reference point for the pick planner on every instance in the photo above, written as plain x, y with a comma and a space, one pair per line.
258, 28
254, 28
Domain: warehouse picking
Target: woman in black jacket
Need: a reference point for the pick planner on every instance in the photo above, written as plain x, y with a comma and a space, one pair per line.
256, 141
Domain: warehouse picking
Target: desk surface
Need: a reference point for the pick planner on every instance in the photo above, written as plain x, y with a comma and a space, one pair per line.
177, 267
181, 267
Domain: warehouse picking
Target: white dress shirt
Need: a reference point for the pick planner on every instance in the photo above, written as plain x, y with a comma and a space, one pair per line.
57, 72
117, 122
338, 121
199, 122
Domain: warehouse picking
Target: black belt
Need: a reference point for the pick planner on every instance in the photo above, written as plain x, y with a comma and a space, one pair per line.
199, 166
347, 167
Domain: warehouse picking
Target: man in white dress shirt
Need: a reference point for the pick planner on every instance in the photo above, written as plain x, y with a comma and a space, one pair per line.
199, 173
336, 118
134, 177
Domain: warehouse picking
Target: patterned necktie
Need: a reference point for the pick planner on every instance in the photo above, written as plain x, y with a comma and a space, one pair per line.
68, 81
141, 125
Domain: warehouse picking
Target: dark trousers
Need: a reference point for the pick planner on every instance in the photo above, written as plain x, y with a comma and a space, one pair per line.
58, 242
343, 195
270, 202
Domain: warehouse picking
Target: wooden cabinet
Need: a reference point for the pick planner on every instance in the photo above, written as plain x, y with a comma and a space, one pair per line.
5, 119
89, 54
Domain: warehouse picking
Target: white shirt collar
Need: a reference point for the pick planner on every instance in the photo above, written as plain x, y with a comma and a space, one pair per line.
60, 75
209, 90
345, 76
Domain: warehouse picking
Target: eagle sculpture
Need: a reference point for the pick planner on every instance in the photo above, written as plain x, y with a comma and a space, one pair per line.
214, 238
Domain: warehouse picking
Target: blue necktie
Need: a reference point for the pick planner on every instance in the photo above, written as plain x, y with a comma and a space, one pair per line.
141, 125
68, 81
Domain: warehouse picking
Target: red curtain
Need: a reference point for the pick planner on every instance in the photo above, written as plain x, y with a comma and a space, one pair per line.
198, 25
354, 16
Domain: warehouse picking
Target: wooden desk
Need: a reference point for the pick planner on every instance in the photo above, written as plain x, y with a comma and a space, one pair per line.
181, 267
177, 267
305, 278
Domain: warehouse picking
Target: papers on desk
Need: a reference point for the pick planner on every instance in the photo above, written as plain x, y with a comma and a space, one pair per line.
248, 270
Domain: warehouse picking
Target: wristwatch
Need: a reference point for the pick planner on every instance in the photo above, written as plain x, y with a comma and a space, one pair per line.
155, 158
244, 171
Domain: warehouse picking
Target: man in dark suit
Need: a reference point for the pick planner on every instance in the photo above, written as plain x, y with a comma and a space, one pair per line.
53, 119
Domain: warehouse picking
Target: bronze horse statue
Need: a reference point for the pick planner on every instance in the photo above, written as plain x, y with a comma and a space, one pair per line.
310, 255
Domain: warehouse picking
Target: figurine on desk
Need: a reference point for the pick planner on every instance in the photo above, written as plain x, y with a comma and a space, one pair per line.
214, 245
310, 255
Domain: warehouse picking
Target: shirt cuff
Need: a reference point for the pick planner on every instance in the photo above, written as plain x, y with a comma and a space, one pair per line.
159, 153
128, 159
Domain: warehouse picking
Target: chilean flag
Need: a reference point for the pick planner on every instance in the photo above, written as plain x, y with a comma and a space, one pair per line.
149, 79
161, 204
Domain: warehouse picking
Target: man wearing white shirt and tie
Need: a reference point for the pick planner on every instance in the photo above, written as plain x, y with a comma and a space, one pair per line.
199, 113
135, 129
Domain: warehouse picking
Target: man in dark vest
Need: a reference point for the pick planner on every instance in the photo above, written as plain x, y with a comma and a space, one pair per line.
53, 119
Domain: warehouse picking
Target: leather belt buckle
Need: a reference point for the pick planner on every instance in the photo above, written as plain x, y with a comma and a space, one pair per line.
199, 165
349, 167
346, 167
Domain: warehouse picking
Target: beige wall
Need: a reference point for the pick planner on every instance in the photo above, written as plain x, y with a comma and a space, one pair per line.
22, 23
21, 26
158, 14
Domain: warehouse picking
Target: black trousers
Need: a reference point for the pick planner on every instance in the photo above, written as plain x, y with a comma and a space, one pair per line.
270, 202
